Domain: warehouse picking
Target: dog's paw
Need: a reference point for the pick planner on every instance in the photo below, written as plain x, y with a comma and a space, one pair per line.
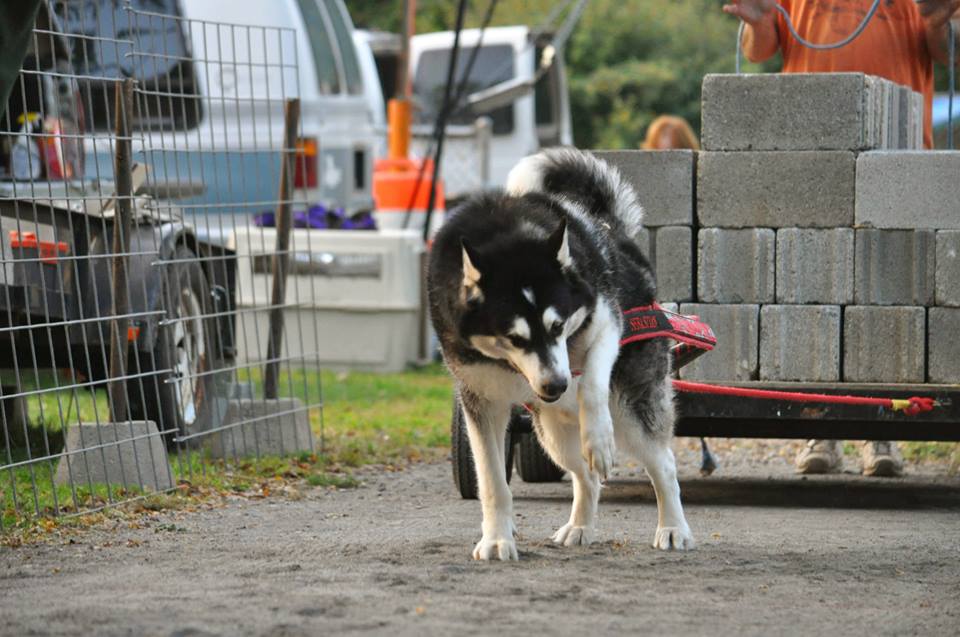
599, 450
673, 538
570, 535
496, 548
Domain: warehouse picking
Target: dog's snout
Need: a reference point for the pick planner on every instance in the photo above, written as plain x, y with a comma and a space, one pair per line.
554, 388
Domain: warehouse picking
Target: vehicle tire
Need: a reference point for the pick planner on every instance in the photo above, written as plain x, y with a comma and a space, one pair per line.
184, 346
464, 470
533, 463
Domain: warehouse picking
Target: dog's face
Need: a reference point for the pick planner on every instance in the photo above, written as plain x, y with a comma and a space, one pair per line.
522, 302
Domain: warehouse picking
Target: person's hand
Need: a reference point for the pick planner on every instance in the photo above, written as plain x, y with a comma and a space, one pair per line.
755, 11
937, 12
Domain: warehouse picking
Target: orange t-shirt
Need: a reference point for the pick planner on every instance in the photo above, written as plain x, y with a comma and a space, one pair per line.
892, 46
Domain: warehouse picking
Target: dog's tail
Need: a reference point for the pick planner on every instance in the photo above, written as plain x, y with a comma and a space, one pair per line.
582, 178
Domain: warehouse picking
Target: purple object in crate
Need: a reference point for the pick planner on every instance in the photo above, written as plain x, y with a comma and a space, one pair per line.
318, 217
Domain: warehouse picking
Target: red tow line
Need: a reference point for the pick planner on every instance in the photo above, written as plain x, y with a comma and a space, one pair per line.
909, 406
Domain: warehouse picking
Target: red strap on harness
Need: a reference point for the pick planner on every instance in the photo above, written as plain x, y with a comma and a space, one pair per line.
651, 321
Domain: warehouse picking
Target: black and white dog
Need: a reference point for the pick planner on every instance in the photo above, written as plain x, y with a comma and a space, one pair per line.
527, 288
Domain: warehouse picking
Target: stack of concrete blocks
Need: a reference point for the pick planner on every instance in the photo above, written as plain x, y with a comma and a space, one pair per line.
827, 242
665, 183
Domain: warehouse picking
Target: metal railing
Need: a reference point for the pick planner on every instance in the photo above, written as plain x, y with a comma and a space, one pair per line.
465, 166
124, 144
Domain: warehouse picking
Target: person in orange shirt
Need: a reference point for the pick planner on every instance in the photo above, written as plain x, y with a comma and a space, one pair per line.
899, 43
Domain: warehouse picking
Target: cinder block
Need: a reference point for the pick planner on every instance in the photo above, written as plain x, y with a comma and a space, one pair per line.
917, 108
663, 179
736, 266
263, 428
800, 342
129, 453
673, 258
795, 111
776, 189
815, 266
883, 344
908, 189
948, 268
735, 356
943, 346
894, 267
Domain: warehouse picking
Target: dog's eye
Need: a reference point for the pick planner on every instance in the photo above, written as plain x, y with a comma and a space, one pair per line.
556, 329
517, 342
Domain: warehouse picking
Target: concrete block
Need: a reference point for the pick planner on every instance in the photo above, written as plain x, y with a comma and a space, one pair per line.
884, 344
894, 267
943, 346
671, 307
132, 454
795, 111
917, 110
908, 189
263, 428
800, 342
736, 266
673, 262
776, 189
664, 181
735, 356
815, 266
948, 268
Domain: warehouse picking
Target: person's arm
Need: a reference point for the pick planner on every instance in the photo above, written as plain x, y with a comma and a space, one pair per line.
936, 15
760, 39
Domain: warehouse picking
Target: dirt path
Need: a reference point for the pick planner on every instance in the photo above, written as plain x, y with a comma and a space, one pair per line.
393, 557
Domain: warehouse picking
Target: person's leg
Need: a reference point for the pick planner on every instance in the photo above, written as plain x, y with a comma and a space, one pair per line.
820, 456
881, 458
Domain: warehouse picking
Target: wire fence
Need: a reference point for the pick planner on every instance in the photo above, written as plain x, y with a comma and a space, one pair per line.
138, 149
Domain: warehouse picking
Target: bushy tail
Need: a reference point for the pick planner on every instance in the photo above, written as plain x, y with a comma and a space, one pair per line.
583, 179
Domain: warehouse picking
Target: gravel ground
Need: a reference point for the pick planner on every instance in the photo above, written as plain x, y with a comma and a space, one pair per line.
777, 554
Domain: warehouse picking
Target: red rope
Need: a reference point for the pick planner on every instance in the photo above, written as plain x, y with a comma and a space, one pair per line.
910, 407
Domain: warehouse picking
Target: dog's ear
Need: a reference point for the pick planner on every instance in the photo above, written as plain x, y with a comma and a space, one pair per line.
470, 291
559, 244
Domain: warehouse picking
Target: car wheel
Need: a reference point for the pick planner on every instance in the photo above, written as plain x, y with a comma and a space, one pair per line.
464, 469
533, 463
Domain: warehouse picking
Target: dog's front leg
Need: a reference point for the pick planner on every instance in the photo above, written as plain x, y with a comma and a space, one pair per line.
593, 393
486, 428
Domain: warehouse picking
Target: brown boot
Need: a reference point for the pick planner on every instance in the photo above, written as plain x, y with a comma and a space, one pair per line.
882, 458
820, 456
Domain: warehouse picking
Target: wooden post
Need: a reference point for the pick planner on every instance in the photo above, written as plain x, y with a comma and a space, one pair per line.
281, 259
122, 205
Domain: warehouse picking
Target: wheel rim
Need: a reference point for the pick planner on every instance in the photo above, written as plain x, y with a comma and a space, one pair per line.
189, 355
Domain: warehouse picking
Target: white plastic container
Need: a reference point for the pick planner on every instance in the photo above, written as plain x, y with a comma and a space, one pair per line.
352, 297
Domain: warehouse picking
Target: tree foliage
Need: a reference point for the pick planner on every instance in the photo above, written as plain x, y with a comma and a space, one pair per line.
628, 60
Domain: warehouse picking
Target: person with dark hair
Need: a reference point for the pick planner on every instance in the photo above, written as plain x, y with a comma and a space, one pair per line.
900, 43
668, 132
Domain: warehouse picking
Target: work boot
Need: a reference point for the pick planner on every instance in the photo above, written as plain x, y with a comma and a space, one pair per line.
820, 456
882, 458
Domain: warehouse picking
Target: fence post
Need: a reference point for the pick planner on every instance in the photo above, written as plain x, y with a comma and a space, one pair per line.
484, 129
123, 188
281, 258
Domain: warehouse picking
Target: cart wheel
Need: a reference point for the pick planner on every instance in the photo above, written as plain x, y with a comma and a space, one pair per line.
186, 347
464, 471
533, 463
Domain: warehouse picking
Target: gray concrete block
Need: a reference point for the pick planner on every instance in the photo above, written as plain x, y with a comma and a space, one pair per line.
737, 330
132, 454
917, 108
795, 111
673, 262
671, 307
948, 268
908, 189
664, 181
943, 346
800, 342
884, 344
776, 189
815, 266
263, 428
894, 267
736, 266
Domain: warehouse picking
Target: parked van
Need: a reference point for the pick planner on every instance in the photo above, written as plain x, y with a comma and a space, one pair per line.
527, 119
214, 80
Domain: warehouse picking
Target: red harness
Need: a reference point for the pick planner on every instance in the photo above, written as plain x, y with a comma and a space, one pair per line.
693, 336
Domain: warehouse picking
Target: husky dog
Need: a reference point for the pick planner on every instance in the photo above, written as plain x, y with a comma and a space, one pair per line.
527, 291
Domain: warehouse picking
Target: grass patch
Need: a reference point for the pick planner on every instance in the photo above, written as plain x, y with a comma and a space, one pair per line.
367, 418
